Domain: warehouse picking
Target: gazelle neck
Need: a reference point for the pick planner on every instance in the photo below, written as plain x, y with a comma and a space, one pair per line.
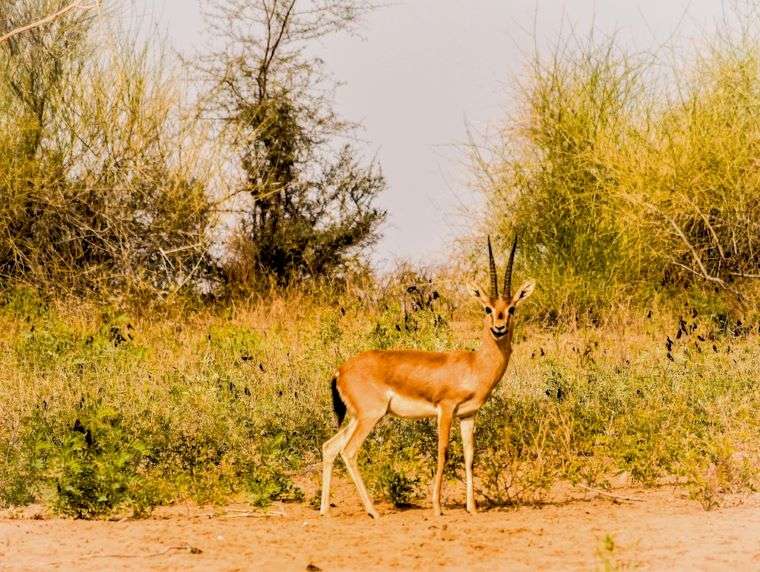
493, 355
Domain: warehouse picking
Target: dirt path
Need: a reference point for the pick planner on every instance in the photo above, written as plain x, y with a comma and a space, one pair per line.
665, 531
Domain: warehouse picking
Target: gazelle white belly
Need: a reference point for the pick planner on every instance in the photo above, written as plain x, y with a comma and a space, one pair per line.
404, 406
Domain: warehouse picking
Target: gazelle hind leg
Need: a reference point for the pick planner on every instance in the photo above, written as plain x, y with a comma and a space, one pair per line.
330, 450
363, 428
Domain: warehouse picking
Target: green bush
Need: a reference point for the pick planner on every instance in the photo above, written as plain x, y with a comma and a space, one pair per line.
93, 466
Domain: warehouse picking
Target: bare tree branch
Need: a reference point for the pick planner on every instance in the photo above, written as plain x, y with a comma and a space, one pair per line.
76, 5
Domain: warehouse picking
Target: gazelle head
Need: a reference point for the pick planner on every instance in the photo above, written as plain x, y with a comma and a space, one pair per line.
500, 308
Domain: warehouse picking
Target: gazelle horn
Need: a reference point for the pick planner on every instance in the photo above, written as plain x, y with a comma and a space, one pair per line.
508, 272
492, 271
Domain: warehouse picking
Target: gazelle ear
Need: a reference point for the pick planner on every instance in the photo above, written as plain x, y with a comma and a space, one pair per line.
478, 293
523, 292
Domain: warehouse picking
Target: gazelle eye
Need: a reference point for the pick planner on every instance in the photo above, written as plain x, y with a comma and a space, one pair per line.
488, 310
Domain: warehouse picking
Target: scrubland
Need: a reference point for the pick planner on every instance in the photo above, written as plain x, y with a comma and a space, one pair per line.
146, 360
109, 413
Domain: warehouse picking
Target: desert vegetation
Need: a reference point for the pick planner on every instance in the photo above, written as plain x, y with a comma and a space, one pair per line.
149, 354
105, 410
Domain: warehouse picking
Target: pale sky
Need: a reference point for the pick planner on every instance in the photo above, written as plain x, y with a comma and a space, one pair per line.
426, 69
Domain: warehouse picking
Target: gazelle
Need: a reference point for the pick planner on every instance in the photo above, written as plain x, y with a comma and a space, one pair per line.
419, 384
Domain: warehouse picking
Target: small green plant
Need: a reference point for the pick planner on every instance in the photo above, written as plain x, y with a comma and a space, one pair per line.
265, 485
96, 467
267, 479
399, 488
605, 553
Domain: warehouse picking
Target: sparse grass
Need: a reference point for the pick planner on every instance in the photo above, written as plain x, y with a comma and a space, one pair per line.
104, 412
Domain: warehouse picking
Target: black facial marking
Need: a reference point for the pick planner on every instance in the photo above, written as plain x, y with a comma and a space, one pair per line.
500, 316
511, 310
488, 310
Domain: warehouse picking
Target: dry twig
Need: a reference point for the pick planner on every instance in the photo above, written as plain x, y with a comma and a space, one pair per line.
251, 514
77, 4
188, 547
610, 495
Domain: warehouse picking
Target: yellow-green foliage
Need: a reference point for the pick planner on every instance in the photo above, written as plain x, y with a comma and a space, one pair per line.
104, 181
622, 188
103, 411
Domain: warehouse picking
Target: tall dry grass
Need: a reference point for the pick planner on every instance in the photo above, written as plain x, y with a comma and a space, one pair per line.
105, 176
624, 188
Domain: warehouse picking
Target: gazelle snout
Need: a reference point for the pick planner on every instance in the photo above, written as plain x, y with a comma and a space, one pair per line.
499, 330
497, 316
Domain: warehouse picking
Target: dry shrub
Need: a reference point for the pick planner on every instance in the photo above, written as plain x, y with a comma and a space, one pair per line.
103, 180
701, 204
622, 190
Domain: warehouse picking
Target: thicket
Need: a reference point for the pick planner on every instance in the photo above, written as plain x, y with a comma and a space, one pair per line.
113, 182
102, 182
628, 183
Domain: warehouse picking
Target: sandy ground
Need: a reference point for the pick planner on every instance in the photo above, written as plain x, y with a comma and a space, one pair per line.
664, 531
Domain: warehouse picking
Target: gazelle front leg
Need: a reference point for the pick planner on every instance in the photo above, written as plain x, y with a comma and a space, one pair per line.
445, 415
467, 427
